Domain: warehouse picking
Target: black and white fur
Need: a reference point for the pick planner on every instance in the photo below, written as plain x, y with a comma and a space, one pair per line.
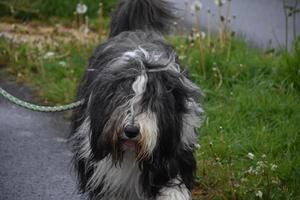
134, 79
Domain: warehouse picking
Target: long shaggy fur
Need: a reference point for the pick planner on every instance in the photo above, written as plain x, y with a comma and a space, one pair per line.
135, 79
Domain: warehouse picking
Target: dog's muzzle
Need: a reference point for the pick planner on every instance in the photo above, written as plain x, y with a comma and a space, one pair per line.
131, 132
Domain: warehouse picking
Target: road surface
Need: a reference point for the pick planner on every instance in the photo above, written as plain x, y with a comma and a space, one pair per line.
34, 157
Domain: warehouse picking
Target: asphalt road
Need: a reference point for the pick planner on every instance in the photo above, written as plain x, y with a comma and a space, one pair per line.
34, 156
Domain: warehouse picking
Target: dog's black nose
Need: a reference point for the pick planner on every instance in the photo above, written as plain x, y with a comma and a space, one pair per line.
131, 131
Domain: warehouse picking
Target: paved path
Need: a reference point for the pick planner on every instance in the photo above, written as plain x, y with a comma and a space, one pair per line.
34, 157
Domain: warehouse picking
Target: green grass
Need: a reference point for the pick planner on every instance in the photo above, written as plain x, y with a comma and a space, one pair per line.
252, 105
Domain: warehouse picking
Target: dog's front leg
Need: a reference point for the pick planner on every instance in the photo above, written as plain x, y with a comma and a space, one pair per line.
177, 192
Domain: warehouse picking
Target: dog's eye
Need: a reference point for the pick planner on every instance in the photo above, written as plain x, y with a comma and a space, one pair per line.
169, 89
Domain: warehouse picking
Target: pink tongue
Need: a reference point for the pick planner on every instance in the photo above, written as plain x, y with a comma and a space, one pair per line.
129, 143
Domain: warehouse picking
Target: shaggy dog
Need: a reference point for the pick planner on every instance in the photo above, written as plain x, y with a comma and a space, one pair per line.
134, 137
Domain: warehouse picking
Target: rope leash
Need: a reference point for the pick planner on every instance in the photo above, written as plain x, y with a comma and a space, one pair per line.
39, 108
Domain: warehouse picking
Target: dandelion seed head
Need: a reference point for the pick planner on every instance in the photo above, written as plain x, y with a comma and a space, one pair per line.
220, 2
81, 8
196, 6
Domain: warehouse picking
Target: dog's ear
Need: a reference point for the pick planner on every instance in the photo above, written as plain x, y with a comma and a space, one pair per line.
98, 114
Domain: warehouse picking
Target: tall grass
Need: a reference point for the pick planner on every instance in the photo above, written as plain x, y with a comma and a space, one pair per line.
54, 77
290, 66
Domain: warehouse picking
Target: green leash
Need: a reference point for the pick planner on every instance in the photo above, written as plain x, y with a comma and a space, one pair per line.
39, 108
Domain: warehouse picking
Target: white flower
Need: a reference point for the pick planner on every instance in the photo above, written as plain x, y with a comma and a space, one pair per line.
203, 35
182, 57
244, 180
24, 40
275, 181
259, 194
81, 8
197, 146
220, 2
62, 63
49, 54
250, 170
250, 156
261, 164
196, 6
273, 167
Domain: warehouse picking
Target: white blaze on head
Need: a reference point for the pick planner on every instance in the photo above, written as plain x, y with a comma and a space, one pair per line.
139, 85
146, 121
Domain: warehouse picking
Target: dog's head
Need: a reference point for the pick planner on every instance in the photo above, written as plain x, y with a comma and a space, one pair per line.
140, 100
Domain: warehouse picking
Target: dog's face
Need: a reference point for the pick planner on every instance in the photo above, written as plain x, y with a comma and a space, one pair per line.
141, 102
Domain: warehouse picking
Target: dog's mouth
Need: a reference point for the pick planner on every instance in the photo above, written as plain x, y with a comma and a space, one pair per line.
129, 144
